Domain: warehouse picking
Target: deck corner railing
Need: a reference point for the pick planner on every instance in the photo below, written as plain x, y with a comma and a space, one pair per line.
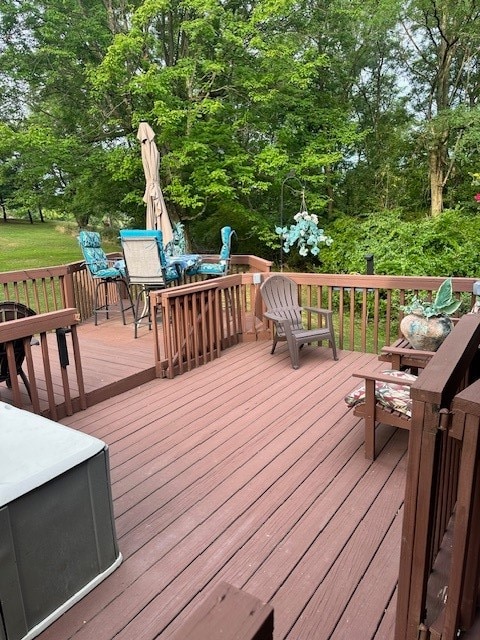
441, 489
198, 321
64, 396
366, 310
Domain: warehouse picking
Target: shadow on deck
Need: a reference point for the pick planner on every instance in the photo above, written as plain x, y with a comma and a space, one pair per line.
243, 471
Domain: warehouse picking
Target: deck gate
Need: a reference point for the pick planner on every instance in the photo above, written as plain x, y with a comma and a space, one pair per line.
199, 322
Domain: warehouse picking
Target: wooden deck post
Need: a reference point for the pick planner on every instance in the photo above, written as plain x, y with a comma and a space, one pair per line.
229, 614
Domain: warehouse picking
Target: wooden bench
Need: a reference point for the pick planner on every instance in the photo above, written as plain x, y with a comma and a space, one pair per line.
402, 355
229, 614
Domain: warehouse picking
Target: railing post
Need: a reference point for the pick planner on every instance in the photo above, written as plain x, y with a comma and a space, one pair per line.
463, 583
68, 289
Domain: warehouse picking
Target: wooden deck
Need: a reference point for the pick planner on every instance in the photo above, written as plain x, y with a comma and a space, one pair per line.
243, 471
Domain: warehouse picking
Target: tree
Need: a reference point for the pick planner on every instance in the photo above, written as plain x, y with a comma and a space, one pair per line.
232, 92
60, 135
441, 55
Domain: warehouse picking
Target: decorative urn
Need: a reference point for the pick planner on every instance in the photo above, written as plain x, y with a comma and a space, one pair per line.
423, 333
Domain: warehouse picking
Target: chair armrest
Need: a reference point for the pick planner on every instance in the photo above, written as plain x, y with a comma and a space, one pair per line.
378, 377
285, 323
280, 319
323, 312
401, 351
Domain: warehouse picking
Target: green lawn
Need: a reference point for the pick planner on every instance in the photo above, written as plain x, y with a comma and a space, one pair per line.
27, 246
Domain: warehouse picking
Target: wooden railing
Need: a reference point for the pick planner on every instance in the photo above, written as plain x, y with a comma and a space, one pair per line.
206, 317
51, 357
441, 491
43, 290
464, 580
366, 309
63, 296
54, 288
366, 312
198, 322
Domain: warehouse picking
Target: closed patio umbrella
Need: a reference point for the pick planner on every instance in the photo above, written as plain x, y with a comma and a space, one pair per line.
157, 215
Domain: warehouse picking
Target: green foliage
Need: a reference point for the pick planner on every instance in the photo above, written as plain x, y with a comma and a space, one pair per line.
445, 245
238, 94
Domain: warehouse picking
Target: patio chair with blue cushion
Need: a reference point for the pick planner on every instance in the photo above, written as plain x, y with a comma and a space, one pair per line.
147, 267
220, 268
104, 272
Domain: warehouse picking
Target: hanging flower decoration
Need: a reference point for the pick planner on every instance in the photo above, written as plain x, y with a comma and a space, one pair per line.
305, 233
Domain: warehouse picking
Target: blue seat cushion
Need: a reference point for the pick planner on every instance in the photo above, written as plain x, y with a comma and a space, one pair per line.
171, 273
110, 272
211, 268
90, 239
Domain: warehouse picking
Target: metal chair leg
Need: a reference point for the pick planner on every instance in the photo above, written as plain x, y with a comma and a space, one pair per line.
144, 299
106, 307
118, 284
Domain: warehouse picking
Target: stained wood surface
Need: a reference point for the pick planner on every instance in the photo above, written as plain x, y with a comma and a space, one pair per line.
245, 471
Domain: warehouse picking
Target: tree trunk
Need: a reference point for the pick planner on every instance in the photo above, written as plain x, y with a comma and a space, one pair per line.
436, 181
328, 172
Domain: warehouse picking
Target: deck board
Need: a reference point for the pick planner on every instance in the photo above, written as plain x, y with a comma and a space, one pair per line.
248, 471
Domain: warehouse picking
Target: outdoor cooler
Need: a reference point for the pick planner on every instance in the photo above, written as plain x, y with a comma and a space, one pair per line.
57, 533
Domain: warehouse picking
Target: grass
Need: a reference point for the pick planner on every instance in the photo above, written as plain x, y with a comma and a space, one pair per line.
42, 244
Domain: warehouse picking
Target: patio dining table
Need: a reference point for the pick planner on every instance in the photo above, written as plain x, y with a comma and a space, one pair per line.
185, 261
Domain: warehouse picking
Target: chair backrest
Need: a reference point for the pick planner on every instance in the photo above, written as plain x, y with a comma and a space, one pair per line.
280, 295
145, 258
178, 245
95, 257
12, 311
226, 234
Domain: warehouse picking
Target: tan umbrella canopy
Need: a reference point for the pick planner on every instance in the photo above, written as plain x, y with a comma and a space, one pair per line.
157, 215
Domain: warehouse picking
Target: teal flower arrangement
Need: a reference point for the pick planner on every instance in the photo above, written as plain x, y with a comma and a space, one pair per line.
305, 234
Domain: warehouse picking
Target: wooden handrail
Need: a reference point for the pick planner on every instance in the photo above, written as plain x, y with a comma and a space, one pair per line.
366, 307
23, 327
450, 363
464, 579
